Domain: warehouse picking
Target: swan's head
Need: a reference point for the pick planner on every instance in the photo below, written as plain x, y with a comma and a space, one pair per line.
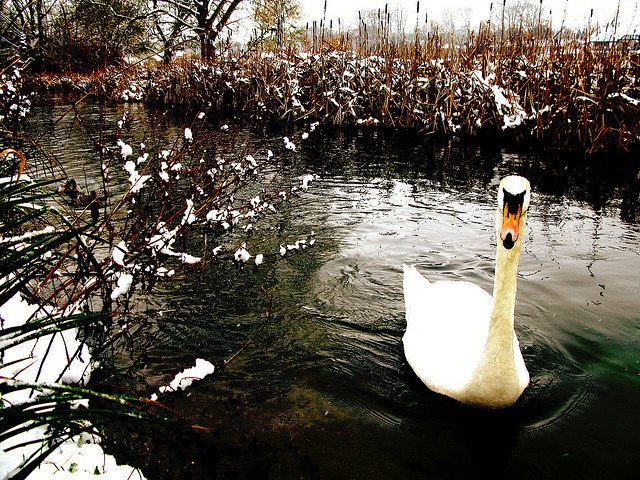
513, 201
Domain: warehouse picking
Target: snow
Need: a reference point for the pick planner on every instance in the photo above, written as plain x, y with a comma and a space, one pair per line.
142, 158
57, 357
584, 98
242, 255
252, 161
123, 284
137, 181
213, 216
14, 178
185, 378
49, 358
80, 457
289, 144
118, 254
165, 238
500, 99
25, 236
164, 175
125, 150
189, 217
189, 259
61, 357
633, 101
306, 179
164, 272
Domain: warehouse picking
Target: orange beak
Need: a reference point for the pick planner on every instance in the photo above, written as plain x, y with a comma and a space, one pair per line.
510, 226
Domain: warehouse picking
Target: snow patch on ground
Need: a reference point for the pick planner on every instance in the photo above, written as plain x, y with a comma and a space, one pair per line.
57, 357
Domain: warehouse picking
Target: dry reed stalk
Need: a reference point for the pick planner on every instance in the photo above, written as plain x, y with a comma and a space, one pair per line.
557, 90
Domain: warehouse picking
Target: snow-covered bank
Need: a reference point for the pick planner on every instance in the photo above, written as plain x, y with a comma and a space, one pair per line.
47, 359
76, 458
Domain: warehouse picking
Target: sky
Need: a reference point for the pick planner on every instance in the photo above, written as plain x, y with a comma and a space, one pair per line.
577, 11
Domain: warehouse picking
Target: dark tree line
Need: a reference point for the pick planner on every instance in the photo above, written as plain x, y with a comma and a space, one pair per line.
85, 35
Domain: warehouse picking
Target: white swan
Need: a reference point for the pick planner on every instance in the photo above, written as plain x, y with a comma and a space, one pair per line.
460, 340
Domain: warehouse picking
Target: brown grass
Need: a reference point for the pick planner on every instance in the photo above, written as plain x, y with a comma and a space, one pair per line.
560, 92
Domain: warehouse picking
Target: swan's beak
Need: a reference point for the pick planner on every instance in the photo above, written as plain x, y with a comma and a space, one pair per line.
510, 229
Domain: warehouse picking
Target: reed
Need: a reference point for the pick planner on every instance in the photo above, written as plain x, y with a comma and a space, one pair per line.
531, 88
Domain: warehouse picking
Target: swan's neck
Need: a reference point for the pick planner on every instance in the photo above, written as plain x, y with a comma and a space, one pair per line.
495, 376
504, 291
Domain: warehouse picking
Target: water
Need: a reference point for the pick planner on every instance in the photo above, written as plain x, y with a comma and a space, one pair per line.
324, 391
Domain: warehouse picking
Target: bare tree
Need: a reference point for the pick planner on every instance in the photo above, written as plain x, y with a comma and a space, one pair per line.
383, 24
275, 17
117, 26
169, 26
456, 24
523, 16
399, 19
23, 25
179, 22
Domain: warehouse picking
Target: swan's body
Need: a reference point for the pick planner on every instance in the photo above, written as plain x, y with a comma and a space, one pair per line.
460, 340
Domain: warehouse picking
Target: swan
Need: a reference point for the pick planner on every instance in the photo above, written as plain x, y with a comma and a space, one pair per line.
459, 339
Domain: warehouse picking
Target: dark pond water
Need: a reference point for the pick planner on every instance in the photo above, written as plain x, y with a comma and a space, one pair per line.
324, 390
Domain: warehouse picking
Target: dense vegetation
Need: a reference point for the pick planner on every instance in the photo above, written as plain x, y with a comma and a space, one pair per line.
514, 79
559, 94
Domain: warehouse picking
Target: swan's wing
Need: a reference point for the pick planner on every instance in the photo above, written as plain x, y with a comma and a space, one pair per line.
447, 329
521, 368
